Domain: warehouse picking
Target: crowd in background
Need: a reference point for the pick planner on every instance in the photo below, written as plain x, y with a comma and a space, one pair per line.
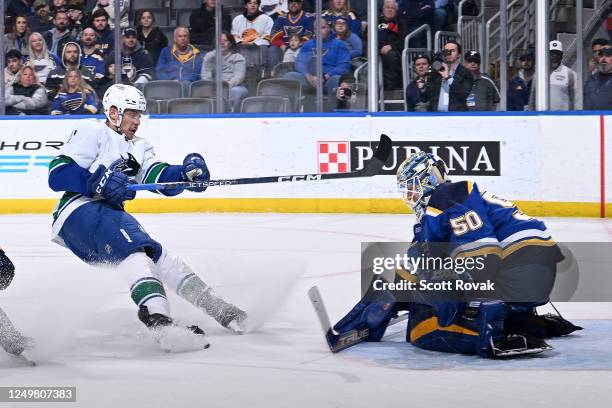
60, 54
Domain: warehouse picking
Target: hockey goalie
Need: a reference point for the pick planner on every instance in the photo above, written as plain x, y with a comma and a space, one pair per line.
518, 253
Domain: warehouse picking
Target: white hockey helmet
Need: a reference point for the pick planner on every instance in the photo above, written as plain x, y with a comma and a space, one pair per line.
123, 97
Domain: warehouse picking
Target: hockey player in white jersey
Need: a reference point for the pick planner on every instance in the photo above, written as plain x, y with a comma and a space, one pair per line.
11, 340
93, 169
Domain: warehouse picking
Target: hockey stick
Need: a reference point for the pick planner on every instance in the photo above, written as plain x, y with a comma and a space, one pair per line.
340, 341
371, 168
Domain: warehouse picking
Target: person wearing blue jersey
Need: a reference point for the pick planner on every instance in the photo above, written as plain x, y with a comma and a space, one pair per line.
93, 169
336, 61
75, 96
456, 221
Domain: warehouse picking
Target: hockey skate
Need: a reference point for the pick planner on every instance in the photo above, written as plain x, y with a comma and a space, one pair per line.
517, 345
170, 336
232, 318
202, 296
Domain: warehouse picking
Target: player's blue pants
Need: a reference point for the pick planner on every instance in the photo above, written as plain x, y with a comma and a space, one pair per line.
99, 233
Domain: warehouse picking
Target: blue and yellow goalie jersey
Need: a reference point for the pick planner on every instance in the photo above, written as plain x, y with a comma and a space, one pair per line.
471, 224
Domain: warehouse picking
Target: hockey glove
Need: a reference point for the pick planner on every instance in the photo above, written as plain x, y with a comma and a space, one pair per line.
195, 169
110, 185
7, 271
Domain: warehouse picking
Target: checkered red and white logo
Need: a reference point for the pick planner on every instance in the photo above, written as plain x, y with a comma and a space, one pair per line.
334, 157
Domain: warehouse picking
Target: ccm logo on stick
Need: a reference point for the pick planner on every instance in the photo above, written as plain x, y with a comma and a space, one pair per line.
309, 177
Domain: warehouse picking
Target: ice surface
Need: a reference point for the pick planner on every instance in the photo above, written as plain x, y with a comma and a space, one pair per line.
88, 335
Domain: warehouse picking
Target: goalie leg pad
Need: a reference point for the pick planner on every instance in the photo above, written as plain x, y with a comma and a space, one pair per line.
374, 312
470, 332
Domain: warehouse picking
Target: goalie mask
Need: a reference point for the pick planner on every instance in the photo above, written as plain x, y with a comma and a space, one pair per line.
418, 176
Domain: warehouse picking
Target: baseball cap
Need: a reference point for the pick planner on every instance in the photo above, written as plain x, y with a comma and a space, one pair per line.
556, 45
527, 55
341, 19
472, 55
129, 31
40, 3
606, 52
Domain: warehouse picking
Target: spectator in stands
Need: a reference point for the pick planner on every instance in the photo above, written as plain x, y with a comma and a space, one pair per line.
18, 8
417, 89
598, 88
13, 66
391, 33
274, 8
40, 58
149, 35
136, 64
346, 94
291, 52
233, 69
59, 35
26, 96
180, 61
596, 46
485, 95
57, 5
295, 22
76, 18
353, 41
92, 58
360, 8
252, 26
439, 19
519, 88
71, 58
416, 13
75, 96
449, 90
41, 21
18, 38
105, 39
202, 23
338, 8
562, 83
336, 62
107, 5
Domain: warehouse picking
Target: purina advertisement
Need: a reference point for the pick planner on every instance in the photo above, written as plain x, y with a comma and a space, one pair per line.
529, 158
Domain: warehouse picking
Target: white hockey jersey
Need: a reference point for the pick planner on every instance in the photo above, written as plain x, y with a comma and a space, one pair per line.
252, 32
91, 144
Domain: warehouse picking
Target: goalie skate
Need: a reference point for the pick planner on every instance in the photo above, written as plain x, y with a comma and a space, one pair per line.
172, 337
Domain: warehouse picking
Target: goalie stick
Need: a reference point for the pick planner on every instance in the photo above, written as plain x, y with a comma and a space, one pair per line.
371, 168
340, 341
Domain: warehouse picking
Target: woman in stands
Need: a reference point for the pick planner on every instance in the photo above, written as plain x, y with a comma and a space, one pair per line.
75, 96
26, 96
352, 40
149, 35
233, 69
40, 58
17, 39
342, 8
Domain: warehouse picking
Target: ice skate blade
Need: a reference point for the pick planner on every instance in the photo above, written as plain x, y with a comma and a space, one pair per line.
521, 352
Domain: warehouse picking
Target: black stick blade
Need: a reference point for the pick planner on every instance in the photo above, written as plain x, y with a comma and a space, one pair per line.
382, 153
